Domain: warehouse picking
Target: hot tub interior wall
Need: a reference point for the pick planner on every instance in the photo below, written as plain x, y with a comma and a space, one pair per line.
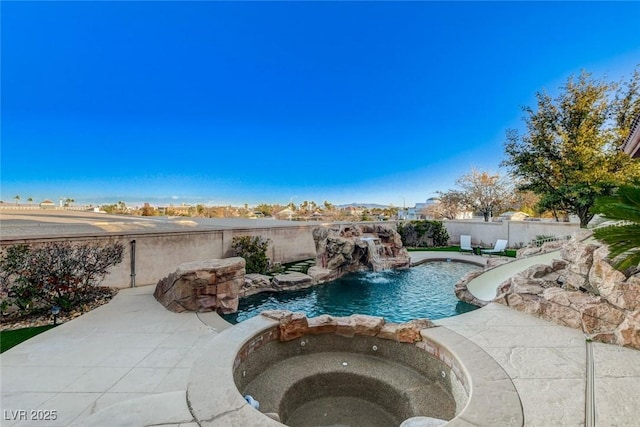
383, 405
264, 351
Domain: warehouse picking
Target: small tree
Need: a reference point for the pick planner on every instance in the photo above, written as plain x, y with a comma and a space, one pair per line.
483, 192
148, 210
451, 204
254, 251
58, 273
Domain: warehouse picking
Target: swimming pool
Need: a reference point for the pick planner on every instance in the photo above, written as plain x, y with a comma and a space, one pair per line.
397, 295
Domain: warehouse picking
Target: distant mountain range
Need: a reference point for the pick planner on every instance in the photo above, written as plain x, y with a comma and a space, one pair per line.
363, 205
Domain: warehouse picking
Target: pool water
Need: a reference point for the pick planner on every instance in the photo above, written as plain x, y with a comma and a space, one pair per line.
397, 295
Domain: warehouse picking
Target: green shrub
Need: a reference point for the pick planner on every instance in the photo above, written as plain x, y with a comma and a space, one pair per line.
58, 273
254, 251
423, 234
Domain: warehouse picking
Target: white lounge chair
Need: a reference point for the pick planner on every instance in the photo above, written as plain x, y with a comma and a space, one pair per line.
465, 243
498, 248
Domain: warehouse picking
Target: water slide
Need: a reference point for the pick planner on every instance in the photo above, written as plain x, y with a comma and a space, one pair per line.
484, 286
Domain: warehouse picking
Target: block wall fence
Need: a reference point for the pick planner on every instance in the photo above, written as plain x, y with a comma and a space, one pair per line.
158, 254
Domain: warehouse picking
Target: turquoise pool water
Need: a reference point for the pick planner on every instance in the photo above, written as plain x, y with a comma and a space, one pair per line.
396, 295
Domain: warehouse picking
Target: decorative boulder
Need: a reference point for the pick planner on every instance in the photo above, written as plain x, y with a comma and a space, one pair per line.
203, 286
353, 247
255, 283
292, 281
321, 275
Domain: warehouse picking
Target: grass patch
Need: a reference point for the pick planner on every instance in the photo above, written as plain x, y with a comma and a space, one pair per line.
509, 252
10, 339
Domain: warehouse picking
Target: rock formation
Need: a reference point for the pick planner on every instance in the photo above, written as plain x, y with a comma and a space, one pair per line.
294, 325
353, 247
462, 292
580, 290
203, 286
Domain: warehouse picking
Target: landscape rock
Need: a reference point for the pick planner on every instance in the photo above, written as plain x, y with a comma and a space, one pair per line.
321, 275
462, 292
408, 332
322, 324
277, 314
628, 332
560, 314
203, 286
537, 271
525, 285
579, 256
624, 295
536, 250
603, 276
600, 318
292, 281
345, 326
572, 281
255, 283
347, 248
582, 290
367, 325
293, 326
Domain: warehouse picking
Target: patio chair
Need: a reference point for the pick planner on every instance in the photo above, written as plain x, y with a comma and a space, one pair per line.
465, 243
499, 248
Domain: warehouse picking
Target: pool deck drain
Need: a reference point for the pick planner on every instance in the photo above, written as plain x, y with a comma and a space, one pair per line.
133, 358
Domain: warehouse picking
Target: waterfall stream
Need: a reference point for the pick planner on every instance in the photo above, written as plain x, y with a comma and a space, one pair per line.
377, 264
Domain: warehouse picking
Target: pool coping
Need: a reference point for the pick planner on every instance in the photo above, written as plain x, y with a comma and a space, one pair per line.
214, 400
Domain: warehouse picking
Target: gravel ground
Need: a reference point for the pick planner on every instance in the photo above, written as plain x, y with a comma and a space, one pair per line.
98, 297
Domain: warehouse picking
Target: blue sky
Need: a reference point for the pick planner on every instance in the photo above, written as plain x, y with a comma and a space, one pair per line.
251, 102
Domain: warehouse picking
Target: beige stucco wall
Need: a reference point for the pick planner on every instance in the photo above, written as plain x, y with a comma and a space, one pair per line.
517, 233
158, 254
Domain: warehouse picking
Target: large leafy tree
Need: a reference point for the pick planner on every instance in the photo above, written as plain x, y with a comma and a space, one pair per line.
571, 151
623, 238
450, 205
483, 192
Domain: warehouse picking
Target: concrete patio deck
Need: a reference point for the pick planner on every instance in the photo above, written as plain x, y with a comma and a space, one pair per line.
128, 363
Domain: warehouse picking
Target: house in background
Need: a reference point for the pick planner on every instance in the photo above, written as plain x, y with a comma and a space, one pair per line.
286, 213
421, 211
47, 204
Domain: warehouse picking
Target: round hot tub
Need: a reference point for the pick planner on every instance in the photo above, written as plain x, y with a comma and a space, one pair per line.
357, 381
354, 371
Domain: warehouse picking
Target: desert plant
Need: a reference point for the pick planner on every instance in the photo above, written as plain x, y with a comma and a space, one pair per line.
623, 239
254, 251
57, 273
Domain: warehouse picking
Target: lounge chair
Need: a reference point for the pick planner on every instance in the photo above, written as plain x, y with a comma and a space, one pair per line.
465, 243
499, 248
